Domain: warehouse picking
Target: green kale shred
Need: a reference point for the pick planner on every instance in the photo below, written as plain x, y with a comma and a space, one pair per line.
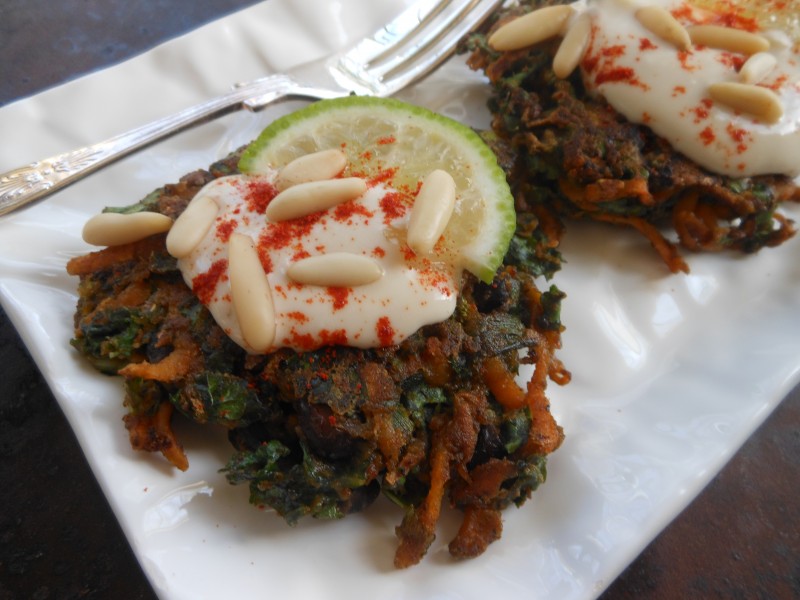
219, 398
112, 338
297, 488
147, 204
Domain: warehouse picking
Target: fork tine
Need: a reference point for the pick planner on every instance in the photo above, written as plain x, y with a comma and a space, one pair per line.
437, 41
414, 44
405, 27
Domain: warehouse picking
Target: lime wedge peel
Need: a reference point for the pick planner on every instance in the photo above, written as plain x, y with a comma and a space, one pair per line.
383, 133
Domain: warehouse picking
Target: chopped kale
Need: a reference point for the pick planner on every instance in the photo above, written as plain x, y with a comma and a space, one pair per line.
147, 204
220, 398
112, 338
514, 430
300, 486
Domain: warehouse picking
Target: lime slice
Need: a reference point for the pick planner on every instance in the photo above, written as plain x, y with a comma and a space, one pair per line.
381, 135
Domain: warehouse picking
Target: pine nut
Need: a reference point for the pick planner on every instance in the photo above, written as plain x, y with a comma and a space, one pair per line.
431, 212
306, 198
115, 229
335, 269
759, 102
726, 38
573, 47
191, 226
325, 164
661, 23
757, 67
530, 29
250, 293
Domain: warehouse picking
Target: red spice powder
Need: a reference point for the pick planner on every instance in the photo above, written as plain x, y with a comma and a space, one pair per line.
339, 295
778, 83
678, 90
337, 337
389, 139
225, 229
603, 66
738, 135
707, 136
279, 235
344, 213
683, 57
300, 254
646, 44
303, 341
683, 12
394, 205
259, 194
298, 316
435, 278
382, 176
731, 60
378, 252
205, 284
616, 75
700, 113
589, 62
307, 342
735, 19
385, 331
265, 259
613, 51
278, 289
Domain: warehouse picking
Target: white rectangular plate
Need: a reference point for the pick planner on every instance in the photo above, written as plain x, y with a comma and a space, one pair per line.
671, 372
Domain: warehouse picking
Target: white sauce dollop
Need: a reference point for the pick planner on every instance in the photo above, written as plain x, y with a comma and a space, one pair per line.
651, 82
412, 293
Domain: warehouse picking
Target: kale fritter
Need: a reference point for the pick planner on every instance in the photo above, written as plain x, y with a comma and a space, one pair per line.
436, 418
569, 154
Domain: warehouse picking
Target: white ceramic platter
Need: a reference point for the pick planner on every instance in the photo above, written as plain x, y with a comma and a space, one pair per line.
671, 373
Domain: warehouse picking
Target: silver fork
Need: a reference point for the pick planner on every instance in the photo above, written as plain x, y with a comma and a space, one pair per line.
403, 51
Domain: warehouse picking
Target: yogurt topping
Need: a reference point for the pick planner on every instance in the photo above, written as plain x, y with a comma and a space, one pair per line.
412, 292
652, 82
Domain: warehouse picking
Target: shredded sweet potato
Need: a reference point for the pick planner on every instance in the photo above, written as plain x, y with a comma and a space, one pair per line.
480, 527
453, 443
114, 256
153, 433
501, 382
178, 363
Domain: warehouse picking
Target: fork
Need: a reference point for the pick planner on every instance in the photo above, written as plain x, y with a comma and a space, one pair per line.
409, 47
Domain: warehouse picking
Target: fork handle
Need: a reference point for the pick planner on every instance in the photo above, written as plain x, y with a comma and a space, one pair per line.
24, 185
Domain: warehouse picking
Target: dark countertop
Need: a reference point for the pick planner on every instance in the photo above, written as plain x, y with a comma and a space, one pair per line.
58, 536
